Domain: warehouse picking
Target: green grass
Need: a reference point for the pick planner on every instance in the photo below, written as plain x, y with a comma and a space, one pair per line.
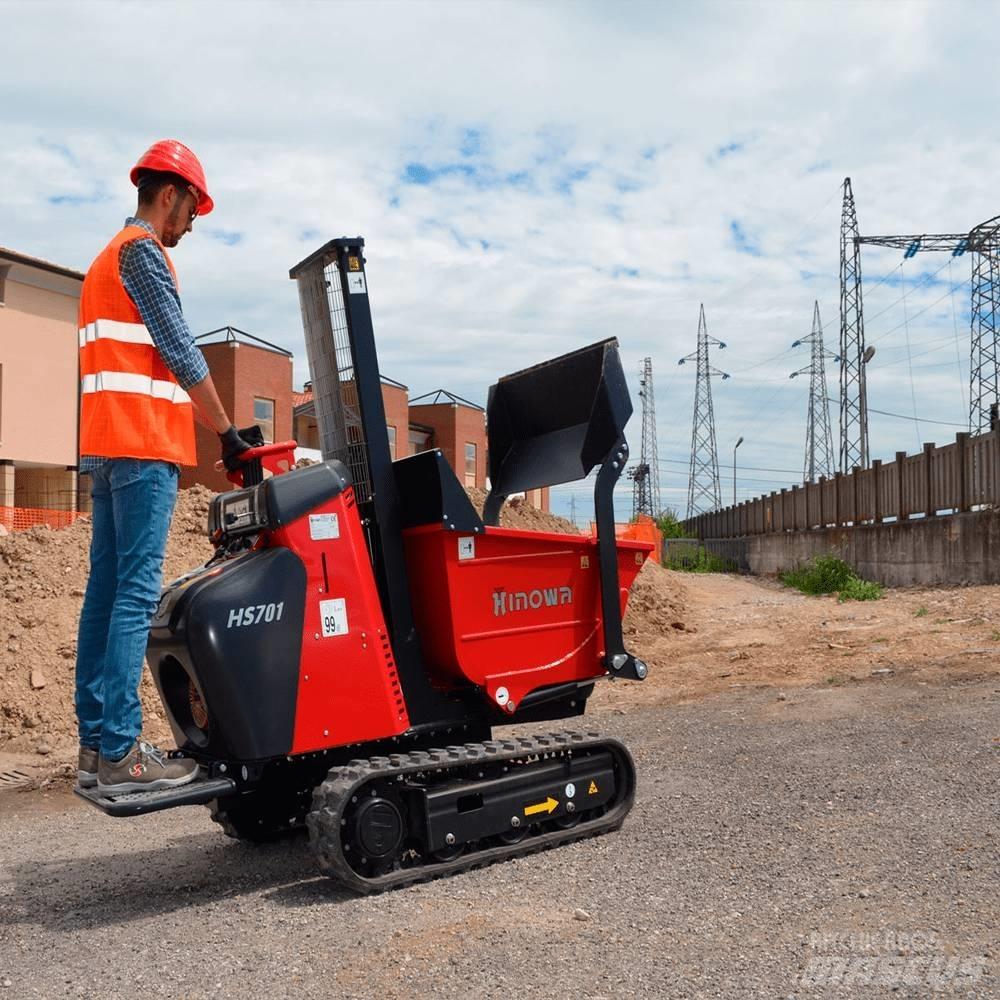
921, 612
697, 560
830, 575
857, 589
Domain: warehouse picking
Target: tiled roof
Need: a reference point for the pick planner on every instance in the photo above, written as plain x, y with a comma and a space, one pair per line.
15, 256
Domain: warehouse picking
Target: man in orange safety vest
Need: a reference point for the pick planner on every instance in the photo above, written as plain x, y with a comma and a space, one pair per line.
141, 377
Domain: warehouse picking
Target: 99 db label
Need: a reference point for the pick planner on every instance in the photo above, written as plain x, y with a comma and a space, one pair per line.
333, 617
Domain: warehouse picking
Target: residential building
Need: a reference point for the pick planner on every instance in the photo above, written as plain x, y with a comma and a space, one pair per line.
39, 385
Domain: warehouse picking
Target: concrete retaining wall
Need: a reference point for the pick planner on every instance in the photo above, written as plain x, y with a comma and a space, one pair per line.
955, 549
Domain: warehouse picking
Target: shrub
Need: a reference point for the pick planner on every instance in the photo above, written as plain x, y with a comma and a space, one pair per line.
830, 575
669, 524
697, 559
824, 575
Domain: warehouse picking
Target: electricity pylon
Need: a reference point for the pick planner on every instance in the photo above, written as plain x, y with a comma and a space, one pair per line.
646, 475
704, 492
984, 368
853, 395
819, 437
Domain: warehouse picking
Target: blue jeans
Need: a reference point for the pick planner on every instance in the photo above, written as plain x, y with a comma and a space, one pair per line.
133, 502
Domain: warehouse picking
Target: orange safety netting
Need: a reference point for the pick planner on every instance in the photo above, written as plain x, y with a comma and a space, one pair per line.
22, 518
642, 529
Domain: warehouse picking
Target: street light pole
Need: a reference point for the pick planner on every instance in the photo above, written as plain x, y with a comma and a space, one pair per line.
735, 446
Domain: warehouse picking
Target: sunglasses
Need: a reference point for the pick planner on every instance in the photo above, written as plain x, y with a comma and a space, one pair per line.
193, 212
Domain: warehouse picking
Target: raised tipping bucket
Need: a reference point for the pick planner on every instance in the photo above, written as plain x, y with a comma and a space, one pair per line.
554, 422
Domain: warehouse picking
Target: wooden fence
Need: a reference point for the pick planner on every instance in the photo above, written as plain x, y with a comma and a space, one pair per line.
961, 476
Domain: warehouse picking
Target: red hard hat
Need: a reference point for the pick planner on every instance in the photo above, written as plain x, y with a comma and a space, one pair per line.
169, 154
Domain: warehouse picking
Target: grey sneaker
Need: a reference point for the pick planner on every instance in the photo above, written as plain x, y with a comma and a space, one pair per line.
144, 769
86, 768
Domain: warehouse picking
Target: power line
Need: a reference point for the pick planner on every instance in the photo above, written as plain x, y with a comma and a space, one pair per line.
954, 323
909, 359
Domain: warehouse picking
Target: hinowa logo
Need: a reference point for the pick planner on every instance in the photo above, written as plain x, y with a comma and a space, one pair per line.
526, 600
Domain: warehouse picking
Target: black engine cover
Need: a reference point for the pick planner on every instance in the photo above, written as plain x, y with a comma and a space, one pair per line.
235, 630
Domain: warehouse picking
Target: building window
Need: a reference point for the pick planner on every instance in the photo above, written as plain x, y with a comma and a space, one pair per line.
419, 441
4, 269
392, 440
470, 463
263, 416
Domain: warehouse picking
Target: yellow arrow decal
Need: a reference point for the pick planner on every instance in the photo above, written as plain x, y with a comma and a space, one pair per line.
548, 806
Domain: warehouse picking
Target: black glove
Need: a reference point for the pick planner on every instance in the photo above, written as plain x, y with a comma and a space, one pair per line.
232, 447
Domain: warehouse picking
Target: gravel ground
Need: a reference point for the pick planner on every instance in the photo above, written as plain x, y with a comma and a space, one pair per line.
837, 843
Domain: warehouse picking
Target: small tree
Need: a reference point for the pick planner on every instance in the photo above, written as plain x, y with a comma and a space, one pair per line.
669, 524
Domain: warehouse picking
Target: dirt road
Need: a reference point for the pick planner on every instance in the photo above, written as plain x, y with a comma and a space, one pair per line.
831, 836
775, 849
742, 633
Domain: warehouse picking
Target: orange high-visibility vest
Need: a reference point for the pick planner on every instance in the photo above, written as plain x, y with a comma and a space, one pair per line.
131, 406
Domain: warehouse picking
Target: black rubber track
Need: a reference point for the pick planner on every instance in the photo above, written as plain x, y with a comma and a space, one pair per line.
333, 796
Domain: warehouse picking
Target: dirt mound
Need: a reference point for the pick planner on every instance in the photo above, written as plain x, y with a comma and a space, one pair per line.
655, 606
43, 574
516, 513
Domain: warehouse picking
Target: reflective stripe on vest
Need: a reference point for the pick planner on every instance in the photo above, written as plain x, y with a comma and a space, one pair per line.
113, 329
131, 382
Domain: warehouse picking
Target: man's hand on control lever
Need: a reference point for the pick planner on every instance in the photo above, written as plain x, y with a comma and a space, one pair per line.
232, 447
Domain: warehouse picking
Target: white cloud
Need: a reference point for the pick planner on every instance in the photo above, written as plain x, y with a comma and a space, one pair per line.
601, 129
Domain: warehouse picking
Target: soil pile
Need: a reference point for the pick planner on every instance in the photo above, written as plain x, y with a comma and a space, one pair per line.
655, 607
516, 513
43, 574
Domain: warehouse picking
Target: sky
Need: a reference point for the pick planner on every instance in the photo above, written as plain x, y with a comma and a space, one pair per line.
532, 177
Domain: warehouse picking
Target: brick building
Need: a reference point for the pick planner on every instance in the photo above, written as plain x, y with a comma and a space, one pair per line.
39, 386
254, 382
305, 429
437, 419
458, 428
411, 428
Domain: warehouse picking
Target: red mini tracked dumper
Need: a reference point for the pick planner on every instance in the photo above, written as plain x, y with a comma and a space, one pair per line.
344, 658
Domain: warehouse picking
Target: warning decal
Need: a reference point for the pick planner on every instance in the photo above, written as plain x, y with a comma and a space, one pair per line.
356, 282
593, 788
323, 526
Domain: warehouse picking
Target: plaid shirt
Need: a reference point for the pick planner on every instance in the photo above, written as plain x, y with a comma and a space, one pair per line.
150, 285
